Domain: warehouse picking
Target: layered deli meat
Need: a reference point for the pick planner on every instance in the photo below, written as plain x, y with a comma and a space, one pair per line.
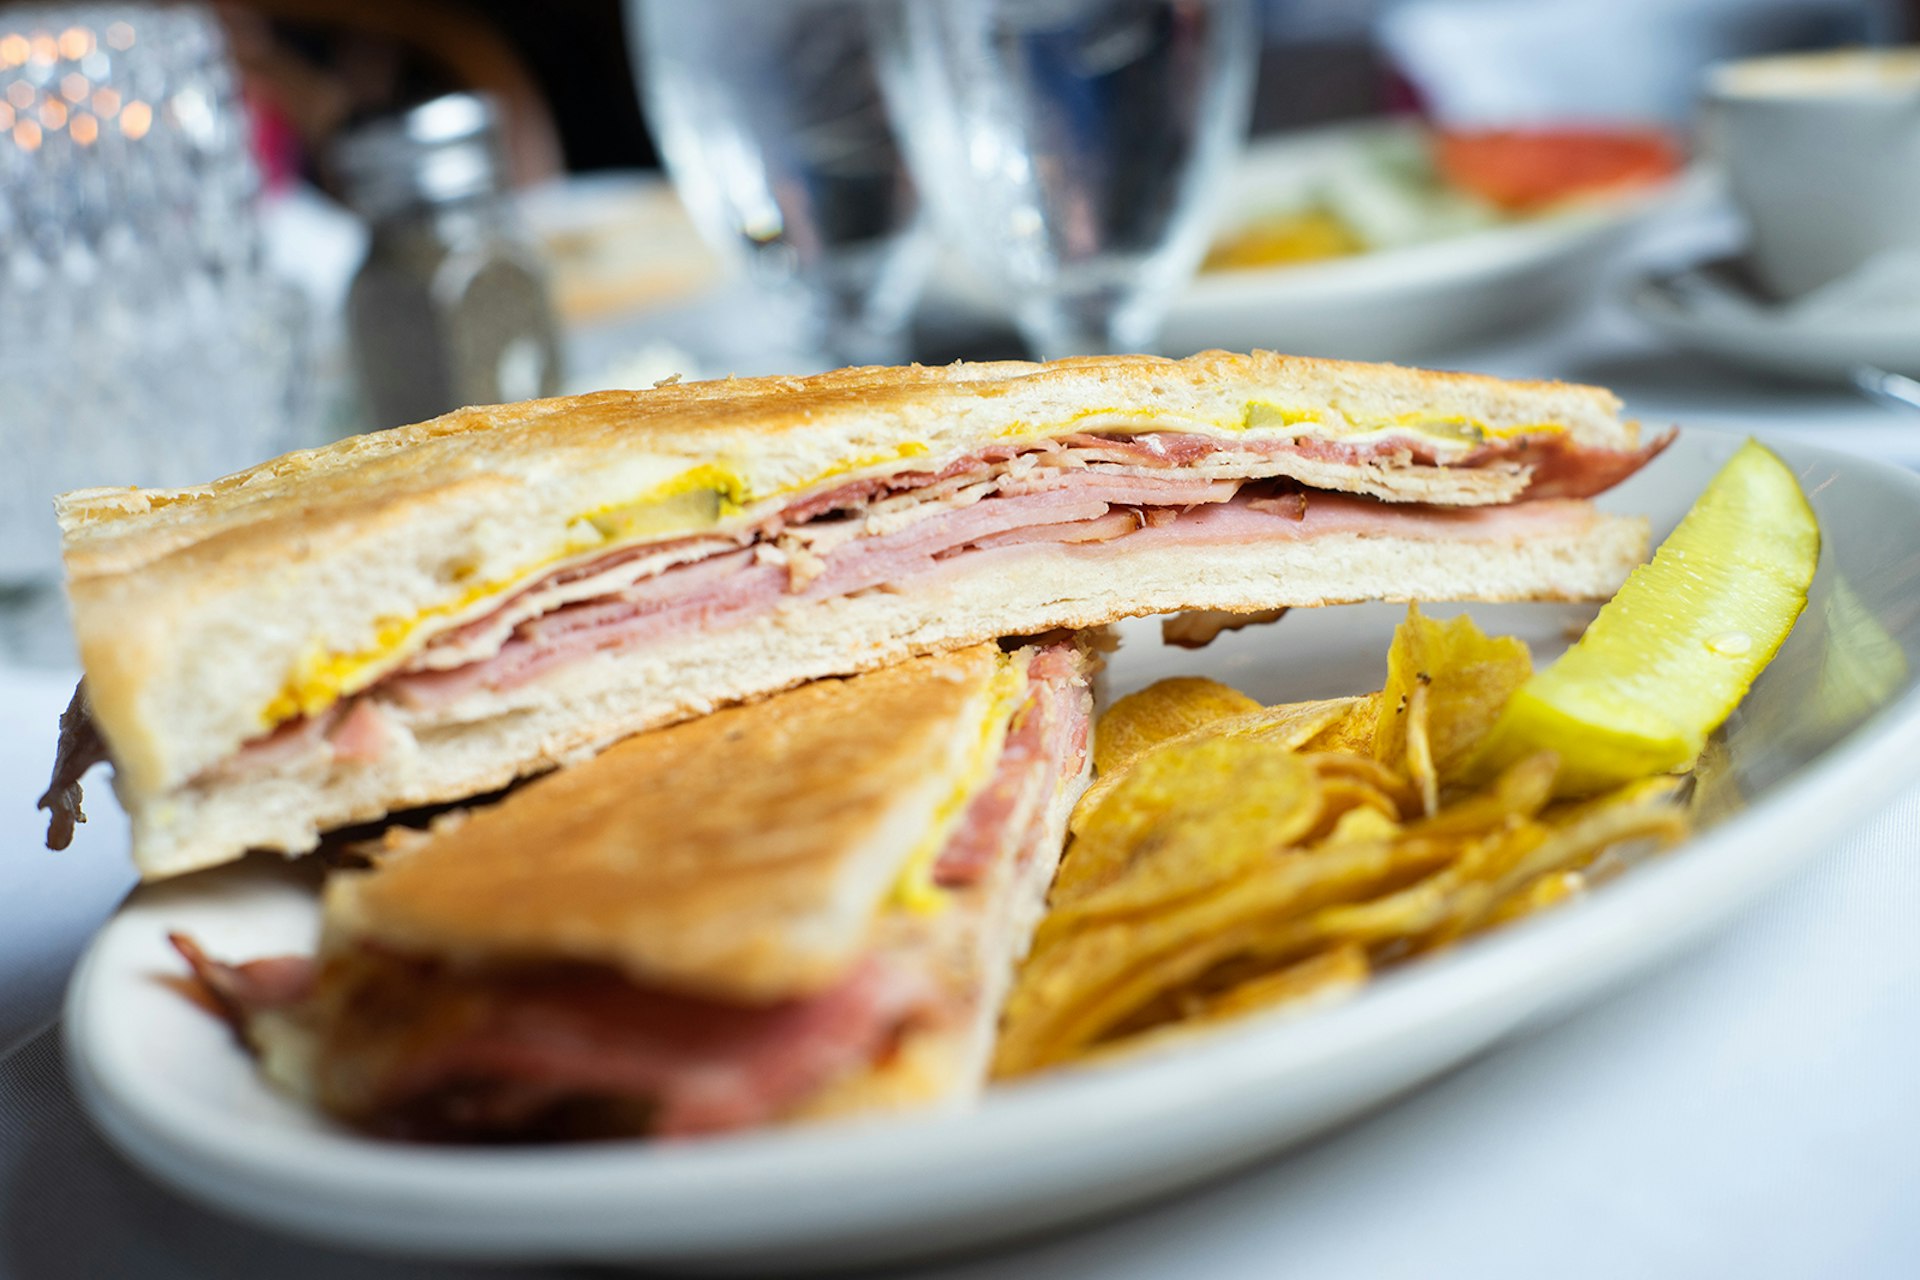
410, 1047
1097, 493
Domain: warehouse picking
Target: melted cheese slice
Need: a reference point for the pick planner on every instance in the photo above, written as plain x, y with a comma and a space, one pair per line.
915, 889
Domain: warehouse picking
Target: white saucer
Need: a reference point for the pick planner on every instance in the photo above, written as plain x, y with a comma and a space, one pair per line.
1713, 308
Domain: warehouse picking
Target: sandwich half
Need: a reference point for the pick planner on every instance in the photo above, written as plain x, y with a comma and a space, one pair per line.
807, 906
420, 615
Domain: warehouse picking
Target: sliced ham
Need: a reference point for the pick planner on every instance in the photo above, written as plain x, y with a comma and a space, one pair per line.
1089, 491
1126, 488
1326, 514
1103, 528
292, 741
1557, 466
242, 991
710, 594
726, 589
1149, 448
1561, 469
362, 734
748, 590
452, 1055
1045, 745
1291, 505
600, 577
413, 1049
1116, 470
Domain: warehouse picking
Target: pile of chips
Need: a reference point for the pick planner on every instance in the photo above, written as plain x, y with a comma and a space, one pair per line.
1233, 857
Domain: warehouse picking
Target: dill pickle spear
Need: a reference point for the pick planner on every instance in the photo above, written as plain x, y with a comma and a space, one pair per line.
1671, 655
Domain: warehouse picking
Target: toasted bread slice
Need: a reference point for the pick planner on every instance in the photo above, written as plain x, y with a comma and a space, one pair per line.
742, 854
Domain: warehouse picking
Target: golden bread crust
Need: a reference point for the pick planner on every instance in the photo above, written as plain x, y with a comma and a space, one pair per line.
742, 854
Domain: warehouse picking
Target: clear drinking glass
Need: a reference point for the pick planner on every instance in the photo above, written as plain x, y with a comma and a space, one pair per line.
1073, 149
769, 116
142, 339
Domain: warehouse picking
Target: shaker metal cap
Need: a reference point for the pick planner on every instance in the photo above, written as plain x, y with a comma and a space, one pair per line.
444, 149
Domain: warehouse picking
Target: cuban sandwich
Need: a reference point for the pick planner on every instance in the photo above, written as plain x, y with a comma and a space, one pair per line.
802, 907
430, 613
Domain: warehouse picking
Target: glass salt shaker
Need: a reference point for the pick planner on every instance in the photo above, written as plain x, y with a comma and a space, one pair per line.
450, 307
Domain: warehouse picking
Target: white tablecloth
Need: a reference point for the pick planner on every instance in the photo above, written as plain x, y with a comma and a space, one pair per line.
1751, 1111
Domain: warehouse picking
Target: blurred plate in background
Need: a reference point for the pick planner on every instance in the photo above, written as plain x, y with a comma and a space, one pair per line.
1459, 282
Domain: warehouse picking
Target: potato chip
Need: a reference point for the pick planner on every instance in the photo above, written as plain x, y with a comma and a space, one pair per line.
1231, 859
1184, 819
1317, 978
1345, 790
1292, 725
1322, 978
1611, 860
1716, 792
1289, 726
1358, 825
1660, 789
1369, 772
1420, 750
1162, 711
1521, 792
1549, 890
1079, 984
1468, 675
1570, 840
1639, 810
1180, 778
1352, 731
1430, 903
1490, 835
1342, 797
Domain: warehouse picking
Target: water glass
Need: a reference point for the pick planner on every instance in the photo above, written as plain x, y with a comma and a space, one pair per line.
769, 116
141, 339
1074, 149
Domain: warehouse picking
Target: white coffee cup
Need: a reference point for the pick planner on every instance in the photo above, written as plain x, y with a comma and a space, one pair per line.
1822, 151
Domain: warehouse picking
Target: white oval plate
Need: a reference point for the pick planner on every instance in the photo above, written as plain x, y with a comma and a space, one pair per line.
1828, 732
1395, 304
